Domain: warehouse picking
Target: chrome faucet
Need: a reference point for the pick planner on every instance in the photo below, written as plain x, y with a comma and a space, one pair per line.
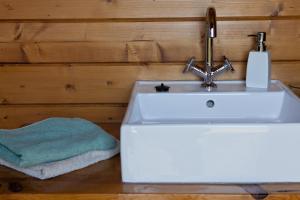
210, 71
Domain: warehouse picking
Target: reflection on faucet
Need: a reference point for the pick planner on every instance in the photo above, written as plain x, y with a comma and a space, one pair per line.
210, 71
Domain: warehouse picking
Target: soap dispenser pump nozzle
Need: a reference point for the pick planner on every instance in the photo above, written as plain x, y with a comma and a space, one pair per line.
260, 41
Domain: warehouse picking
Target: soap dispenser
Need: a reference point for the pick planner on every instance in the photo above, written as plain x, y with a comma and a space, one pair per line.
259, 64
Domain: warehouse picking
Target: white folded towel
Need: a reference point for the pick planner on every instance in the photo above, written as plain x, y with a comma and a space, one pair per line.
52, 169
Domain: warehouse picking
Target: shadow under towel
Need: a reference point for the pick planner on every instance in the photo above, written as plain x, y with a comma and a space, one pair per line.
53, 169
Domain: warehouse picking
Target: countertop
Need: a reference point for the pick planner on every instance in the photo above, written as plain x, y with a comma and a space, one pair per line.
103, 181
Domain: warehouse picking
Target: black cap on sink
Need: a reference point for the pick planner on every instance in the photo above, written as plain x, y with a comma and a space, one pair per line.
162, 88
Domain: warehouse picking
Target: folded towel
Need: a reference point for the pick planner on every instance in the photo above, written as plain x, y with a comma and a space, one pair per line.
51, 140
52, 169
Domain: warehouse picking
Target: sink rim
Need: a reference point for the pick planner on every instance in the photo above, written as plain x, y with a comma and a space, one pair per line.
139, 89
147, 86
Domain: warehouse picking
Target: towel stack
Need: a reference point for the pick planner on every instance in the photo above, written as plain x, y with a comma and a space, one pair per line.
55, 146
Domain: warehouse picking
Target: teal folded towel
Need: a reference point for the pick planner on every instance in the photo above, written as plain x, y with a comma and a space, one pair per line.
52, 139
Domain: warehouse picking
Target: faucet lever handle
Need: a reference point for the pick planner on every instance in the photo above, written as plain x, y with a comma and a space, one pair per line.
190, 63
228, 63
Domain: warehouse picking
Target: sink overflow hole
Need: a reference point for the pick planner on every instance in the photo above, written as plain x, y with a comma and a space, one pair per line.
210, 103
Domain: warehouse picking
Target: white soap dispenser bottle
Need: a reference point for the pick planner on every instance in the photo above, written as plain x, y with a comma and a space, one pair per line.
259, 64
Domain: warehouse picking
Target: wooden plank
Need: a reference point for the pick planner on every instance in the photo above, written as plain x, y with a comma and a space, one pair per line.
137, 31
27, 196
13, 116
141, 42
10, 52
103, 83
102, 181
114, 9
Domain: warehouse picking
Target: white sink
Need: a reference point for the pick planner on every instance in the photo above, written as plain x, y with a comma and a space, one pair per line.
228, 135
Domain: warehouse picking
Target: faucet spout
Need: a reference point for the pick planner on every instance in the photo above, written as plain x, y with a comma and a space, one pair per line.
211, 33
211, 22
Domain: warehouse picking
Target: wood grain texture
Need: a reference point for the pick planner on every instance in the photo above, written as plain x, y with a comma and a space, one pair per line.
128, 197
114, 9
103, 83
103, 181
141, 41
114, 43
146, 197
14, 116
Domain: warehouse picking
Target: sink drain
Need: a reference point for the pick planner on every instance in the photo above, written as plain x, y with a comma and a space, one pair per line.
210, 103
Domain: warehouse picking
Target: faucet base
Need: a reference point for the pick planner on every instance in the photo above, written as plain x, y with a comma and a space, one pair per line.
209, 85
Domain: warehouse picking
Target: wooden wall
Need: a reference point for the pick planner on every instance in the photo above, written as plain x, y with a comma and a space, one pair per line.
80, 58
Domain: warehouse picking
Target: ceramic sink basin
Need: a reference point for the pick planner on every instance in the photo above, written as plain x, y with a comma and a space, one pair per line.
231, 134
